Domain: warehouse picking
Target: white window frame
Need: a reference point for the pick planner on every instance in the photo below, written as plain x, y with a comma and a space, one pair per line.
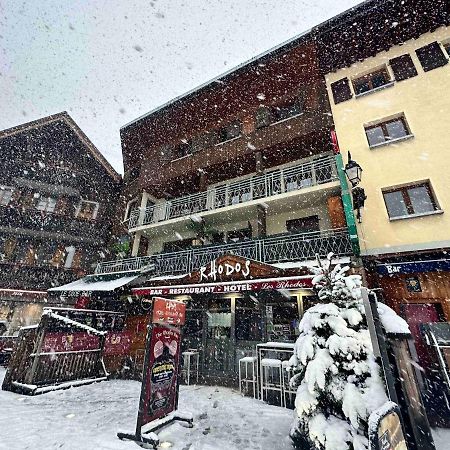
127, 209
94, 214
3, 190
47, 201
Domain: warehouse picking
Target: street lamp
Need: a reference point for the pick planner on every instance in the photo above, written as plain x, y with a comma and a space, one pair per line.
353, 171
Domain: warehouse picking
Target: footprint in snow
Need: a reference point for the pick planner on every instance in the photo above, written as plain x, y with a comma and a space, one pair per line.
215, 404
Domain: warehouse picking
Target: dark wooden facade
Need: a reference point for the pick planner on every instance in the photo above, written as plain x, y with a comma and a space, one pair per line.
58, 195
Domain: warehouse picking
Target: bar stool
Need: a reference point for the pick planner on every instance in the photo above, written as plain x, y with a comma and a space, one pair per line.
287, 389
188, 357
272, 377
248, 362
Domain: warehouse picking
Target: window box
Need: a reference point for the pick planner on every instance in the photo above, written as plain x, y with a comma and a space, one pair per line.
415, 200
387, 132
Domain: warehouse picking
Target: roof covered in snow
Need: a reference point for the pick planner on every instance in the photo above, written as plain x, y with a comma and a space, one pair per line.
95, 283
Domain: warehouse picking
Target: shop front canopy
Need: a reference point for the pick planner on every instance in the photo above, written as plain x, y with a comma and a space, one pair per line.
96, 283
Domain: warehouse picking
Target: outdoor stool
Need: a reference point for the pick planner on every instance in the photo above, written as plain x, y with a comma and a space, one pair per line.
191, 360
286, 377
246, 363
272, 377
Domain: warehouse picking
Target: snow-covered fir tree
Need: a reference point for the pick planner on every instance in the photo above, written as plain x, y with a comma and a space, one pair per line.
337, 378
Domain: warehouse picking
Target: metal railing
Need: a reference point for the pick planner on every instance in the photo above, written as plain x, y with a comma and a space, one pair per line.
315, 171
275, 249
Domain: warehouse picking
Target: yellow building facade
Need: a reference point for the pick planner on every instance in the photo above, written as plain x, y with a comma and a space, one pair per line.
392, 115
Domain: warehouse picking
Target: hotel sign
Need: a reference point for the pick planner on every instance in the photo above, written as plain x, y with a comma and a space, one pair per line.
227, 269
229, 287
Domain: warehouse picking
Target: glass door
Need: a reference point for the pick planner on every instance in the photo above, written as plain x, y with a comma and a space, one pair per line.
219, 347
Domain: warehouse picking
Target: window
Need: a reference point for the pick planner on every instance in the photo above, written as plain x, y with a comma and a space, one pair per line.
231, 131
288, 109
447, 47
87, 210
46, 204
341, 91
372, 81
386, 132
410, 200
431, 56
182, 149
303, 225
132, 174
403, 67
239, 235
132, 205
5, 195
262, 117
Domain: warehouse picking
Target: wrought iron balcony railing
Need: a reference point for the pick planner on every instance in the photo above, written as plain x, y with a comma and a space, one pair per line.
275, 249
313, 172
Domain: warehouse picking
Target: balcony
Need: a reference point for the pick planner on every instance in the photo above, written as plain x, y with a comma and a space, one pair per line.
313, 172
21, 276
32, 219
273, 249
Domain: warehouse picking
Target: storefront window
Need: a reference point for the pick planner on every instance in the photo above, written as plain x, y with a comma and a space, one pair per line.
219, 318
249, 322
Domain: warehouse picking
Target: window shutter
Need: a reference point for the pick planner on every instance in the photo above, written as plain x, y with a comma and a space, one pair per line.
341, 90
76, 262
431, 56
403, 67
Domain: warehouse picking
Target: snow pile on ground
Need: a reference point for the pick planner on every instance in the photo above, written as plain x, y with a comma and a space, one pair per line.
88, 417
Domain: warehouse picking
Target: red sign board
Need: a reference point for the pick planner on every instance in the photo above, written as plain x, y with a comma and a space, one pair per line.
167, 311
228, 287
160, 382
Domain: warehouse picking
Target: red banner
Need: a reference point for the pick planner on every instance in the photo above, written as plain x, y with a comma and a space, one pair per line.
168, 311
159, 394
226, 287
116, 343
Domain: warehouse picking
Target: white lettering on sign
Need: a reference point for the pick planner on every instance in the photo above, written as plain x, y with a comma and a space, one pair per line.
392, 269
226, 268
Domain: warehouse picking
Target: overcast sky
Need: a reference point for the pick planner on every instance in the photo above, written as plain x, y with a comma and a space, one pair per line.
108, 62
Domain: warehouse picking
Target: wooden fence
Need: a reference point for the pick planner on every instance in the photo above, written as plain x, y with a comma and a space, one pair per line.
41, 362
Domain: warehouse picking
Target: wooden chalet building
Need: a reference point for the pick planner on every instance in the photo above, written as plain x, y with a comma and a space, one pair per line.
57, 198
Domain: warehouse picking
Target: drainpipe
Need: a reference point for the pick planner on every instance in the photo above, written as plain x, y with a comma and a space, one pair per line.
346, 197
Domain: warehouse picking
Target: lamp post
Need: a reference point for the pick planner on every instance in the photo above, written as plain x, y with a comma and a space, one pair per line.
354, 171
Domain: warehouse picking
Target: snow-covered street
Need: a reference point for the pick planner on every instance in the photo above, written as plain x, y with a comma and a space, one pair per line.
89, 417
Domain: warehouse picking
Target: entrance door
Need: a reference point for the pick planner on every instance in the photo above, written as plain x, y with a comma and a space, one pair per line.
218, 354
417, 314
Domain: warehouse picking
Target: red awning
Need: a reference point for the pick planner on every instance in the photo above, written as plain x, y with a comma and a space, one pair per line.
268, 284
